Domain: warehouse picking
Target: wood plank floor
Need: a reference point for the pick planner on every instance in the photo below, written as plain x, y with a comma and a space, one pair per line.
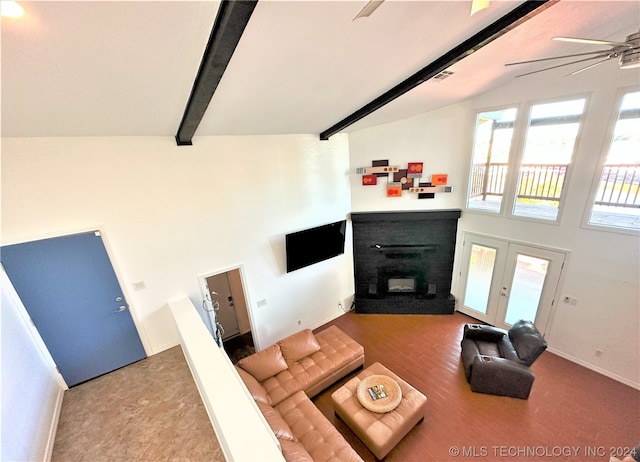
572, 414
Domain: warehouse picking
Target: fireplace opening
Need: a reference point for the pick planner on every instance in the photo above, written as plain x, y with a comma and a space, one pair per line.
401, 285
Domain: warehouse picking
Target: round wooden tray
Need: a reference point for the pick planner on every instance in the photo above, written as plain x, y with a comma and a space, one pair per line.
380, 405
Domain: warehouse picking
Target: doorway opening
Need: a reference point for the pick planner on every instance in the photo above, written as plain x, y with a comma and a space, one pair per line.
225, 305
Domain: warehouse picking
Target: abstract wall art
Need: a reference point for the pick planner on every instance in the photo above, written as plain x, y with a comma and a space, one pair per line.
404, 179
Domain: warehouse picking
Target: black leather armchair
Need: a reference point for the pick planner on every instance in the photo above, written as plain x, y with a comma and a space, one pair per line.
497, 361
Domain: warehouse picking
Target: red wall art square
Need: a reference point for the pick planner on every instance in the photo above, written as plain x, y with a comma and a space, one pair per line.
414, 169
369, 180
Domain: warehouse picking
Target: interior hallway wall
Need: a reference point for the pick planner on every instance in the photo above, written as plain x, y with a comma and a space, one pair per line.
170, 214
31, 391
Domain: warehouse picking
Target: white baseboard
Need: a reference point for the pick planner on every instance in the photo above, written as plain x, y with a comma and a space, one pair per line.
164, 347
329, 319
54, 426
595, 368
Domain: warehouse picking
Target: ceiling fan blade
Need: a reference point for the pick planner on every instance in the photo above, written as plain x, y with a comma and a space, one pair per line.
599, 53
477, 5
593, 42
588, 67
561, 65
368, 9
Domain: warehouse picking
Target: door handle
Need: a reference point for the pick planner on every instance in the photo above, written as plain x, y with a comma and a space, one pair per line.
121, 308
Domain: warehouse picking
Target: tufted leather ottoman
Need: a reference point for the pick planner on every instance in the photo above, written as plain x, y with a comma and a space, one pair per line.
379, 432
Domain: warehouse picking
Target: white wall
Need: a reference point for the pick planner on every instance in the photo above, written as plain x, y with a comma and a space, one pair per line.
435, 138
223, 393
170, 214
31, 392
602, 271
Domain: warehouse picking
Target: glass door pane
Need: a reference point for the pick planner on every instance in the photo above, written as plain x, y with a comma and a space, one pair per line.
526, 288
481, 274
481, 264
529, 285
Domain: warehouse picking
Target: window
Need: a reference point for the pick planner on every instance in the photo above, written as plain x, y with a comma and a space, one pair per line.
617, 198
551, 138
494, 132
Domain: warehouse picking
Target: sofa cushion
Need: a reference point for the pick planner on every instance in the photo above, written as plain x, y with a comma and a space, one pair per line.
314, 431
276, 422
281, 386
337, 351
297, 346
256, 390
337, 348
265, 363
506, 349
488, 348
527, 341
294, 451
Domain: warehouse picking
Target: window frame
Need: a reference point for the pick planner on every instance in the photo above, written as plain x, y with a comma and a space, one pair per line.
566, 185
515, 141
602, 160
516, 156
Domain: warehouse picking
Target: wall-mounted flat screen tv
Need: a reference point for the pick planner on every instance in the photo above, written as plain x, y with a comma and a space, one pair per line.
314, 245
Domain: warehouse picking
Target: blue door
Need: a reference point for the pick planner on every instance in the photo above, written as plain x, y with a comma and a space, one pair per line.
70, 290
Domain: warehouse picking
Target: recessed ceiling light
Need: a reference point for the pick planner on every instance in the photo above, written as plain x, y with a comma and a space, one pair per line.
10, 9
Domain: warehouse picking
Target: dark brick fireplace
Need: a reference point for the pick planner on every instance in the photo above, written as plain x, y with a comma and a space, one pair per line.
403, 261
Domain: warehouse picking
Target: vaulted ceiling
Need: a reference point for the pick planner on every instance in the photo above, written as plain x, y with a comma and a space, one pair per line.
126, 68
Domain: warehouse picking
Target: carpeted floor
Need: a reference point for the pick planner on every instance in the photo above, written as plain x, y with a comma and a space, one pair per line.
147, 411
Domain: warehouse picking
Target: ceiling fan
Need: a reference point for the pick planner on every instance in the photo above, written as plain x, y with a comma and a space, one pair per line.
372, 5
628, 53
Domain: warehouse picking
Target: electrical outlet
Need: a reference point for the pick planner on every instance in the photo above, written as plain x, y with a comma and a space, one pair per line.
262, 302
299, 321
570, 300
139, 285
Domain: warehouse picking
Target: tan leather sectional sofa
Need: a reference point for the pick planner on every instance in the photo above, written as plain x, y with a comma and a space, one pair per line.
282, 378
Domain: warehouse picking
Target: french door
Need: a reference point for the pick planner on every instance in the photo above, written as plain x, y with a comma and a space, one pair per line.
503, 282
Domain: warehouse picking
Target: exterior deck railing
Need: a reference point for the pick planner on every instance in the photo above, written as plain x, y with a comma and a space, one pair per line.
619, 184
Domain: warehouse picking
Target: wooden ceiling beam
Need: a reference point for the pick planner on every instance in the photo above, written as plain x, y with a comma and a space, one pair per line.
510, 21
230, 22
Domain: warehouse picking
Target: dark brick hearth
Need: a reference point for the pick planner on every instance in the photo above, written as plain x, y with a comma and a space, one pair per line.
403, 261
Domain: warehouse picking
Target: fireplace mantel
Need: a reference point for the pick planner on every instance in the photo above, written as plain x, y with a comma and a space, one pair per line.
413, 249
406, 247
406, 215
